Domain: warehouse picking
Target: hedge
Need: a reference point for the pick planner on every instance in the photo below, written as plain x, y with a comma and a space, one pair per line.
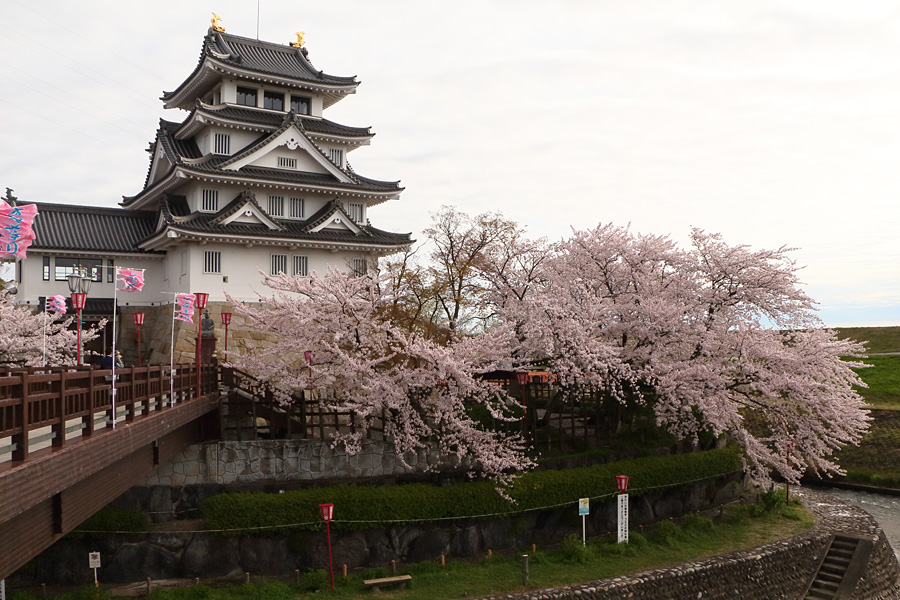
366, 507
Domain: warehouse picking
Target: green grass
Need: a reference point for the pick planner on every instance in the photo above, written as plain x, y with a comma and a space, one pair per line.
877, 339
883, 379
740, 526
876, 461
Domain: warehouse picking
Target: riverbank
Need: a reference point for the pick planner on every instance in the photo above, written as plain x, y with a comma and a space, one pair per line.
780, 569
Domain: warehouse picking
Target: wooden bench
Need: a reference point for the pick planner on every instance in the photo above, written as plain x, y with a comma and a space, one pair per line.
399, 580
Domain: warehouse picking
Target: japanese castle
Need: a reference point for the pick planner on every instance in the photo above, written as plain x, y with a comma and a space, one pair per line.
253, 179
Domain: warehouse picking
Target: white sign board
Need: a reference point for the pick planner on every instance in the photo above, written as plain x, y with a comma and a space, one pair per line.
93, 560
584, 506
623, 518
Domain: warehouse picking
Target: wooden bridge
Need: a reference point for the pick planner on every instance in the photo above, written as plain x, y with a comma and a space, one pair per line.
67, 450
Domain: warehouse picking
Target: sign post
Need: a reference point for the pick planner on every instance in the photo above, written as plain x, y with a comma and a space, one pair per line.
2, 589
584, 509
94, 563
622, 484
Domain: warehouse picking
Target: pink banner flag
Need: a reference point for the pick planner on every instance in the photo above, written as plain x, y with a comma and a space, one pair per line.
56, 304
16, 232
132, 278
184, 307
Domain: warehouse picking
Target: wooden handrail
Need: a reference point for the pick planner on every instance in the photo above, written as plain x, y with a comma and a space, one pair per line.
34, 398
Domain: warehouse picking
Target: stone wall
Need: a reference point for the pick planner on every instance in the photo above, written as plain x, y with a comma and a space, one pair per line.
189, 554
262, 461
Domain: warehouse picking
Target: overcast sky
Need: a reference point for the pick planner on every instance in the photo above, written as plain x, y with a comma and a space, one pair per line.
774, 123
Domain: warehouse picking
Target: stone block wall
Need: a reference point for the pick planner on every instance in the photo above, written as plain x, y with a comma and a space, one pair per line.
264, 461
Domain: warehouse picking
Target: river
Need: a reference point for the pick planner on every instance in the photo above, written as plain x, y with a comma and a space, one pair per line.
885, 508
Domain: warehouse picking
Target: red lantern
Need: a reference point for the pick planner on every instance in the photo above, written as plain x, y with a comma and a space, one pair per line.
226, 318
79, 299
327, 511
622, 483
201, 299
138, 318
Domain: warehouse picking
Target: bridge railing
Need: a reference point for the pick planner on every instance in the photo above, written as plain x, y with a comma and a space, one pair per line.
48, 406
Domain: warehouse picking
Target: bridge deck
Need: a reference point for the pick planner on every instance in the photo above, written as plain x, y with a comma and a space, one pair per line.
64, 456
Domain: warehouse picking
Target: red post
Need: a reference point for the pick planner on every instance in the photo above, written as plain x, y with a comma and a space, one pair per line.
327, 511
787, 485
523, 382
138, 321
226, 321
200, 303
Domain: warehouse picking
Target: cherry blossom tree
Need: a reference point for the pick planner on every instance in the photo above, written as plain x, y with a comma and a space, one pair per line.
714, 338
27, 338
370, 366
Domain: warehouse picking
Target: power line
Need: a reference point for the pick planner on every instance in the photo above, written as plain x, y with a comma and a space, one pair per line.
92, 42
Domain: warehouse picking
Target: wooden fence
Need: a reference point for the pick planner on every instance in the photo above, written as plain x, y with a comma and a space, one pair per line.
56, 404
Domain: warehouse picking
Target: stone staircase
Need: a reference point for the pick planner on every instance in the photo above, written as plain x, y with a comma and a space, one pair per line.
840, 569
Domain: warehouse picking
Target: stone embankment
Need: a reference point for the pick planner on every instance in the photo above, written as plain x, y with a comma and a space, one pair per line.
780, 570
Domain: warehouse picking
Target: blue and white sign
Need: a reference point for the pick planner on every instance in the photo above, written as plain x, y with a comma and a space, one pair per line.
584, 507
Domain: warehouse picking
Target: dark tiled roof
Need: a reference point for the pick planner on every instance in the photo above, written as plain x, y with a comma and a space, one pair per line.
300, 177
275, 119
91, 228
207, 223
280, 60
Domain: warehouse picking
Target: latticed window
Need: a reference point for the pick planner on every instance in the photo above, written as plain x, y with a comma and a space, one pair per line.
287, 163
210, 201
222, 143
273, 100
300, 105
358, 267
297, 208
246, 96
355, 212
337, 156
276, 206
212, 261
279, 264
301, 265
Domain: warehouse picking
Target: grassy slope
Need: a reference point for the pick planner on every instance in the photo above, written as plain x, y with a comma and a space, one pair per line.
876, 461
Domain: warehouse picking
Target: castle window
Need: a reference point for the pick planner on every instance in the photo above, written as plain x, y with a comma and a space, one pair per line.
337, 156
46, 268
110, 270
246, 96
300, 105
210, 202
355, 212
279, 264
276, 206
301, 265
93, 267
296, 208
358, 267
287, 163
273, 100
212, 261
222, 143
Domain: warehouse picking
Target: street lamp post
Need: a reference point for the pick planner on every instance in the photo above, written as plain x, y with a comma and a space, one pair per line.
79, 286
226, 321
138, 321
327, 511
200, 303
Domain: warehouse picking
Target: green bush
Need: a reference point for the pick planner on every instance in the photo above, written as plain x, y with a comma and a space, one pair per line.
574, 550
695, 523
314, 580
664, 533
110, 519
366, 507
